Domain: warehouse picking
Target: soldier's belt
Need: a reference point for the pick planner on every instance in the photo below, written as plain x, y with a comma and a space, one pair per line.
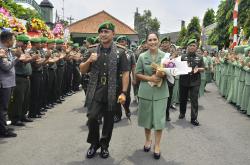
103, 80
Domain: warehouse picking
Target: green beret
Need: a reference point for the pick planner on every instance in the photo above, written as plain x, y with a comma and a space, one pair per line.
122, 38
35, 40
106, 25
96, 40
75, 45
166, 39
50, 41
44, 39
90, 40
23, 38
191, 41
142, 42
59, 41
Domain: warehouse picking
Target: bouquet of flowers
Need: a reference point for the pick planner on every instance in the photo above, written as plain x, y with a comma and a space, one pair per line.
16, 25
5, 12
47, 33
4, 21
58, 31
36, 25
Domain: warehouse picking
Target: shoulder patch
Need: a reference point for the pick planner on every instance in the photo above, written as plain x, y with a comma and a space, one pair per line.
92, 46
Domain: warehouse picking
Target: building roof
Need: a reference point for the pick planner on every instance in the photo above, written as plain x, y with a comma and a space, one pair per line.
90, 24
46, 3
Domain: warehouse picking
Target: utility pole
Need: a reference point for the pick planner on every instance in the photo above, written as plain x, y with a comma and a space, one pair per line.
63, 9
70, 19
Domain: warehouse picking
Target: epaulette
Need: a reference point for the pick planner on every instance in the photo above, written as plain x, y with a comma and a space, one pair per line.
92, 46
120, 46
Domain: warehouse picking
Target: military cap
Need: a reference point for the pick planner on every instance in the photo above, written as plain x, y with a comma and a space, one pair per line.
50, 41
106, 25
142, 42
166, 39
35, 40
90, 40
75, 45
120, 38
44, 39
191, 41
59, 41
23, 38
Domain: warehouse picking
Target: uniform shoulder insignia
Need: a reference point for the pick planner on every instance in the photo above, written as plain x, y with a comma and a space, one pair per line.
120, 46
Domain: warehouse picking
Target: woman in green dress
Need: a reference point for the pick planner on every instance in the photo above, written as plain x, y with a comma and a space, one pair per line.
231, 80
152, 98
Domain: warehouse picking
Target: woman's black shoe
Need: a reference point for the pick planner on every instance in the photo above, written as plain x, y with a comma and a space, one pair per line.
147, 148
157, 155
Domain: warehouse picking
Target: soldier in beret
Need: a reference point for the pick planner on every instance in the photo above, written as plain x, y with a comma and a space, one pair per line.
105, 62
191, 83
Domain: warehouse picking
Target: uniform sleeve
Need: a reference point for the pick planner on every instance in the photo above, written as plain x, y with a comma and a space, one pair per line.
202, 65
139, 66
7, 65
133, 62
86, 56
124, 63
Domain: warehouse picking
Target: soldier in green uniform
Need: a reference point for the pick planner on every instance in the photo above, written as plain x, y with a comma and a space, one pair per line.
191, 83
60, 70
105, 62
76, 72
19, 105
53, 59
36, 78
123, 41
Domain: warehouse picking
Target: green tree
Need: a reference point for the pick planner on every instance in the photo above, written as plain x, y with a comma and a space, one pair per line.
145, 23
193, 29
19, 11
209, 18
244, 16
224, 17
181, 36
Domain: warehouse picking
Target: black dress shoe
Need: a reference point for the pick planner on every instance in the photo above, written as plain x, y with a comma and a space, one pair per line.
8, 134
41, 113
92, 151
35, 116
157, 155
17, 123
10, 129
117, 119
58, 101
168, 119
104, 153
195, 122
26, 120
181, 116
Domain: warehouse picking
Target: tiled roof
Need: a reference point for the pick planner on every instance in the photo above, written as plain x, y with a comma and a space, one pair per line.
90, 24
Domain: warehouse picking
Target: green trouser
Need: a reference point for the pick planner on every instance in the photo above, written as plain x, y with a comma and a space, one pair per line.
20, 101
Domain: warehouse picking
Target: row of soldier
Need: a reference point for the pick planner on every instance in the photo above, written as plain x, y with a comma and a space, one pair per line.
232, 76
42, 72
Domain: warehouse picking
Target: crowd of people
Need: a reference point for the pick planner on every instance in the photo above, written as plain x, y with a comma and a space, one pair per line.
38, 73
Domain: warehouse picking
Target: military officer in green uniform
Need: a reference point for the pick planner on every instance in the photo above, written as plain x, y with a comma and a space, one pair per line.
123, 41
191, 83
36, 79
19, 105
165, 47
105, 62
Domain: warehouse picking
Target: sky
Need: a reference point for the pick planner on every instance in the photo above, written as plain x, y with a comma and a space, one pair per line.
169, 12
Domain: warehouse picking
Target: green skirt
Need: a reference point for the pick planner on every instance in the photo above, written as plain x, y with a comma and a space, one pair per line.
202, 88
175, 96
240, 91
208, 77
236, 88
217, 76
245, 98
152, 113
230, 97
224, 85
